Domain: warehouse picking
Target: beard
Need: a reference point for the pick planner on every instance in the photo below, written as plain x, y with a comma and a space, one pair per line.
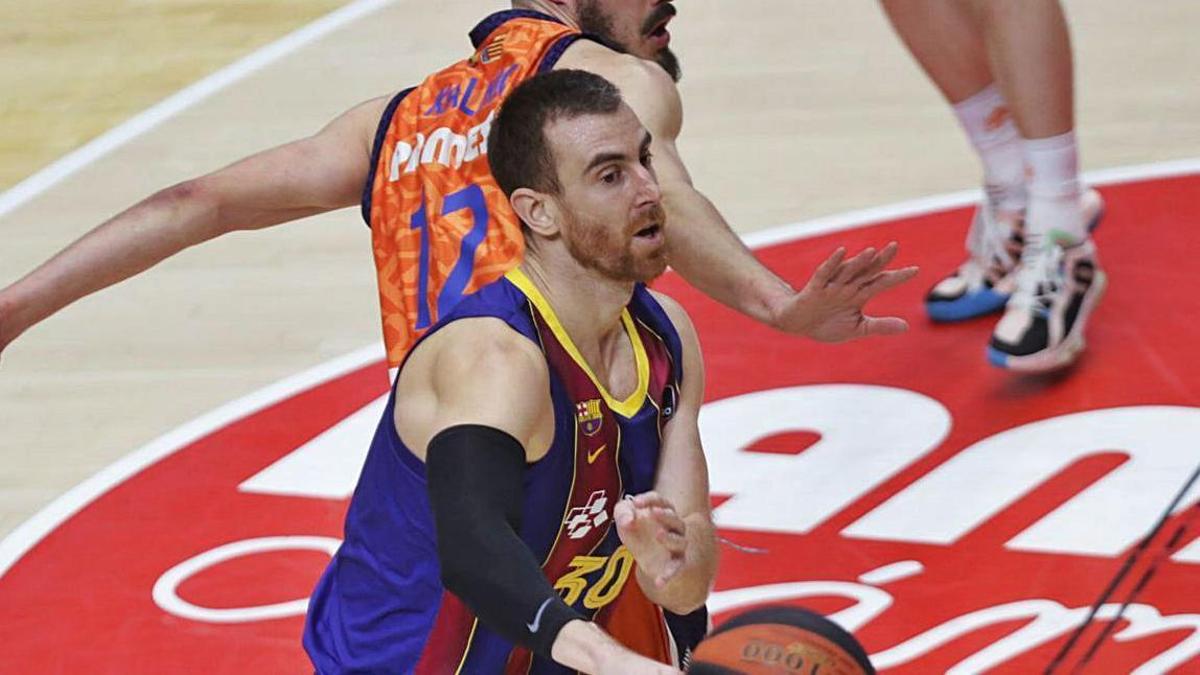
670, 63
593, 20
596, 247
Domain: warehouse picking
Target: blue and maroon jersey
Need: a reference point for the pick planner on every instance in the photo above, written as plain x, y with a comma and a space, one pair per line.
380, 605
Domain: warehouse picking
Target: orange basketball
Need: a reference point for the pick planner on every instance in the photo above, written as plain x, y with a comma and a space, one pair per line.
780, 640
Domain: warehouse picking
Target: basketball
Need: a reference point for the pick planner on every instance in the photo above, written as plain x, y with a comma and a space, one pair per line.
773, 640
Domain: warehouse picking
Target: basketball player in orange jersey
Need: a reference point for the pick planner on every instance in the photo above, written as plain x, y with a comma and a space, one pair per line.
1006, 67
440, 225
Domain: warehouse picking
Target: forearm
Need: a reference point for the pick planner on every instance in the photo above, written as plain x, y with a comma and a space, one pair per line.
474, 475
688, 589
122, 247
711, 257
493, 572
583, 646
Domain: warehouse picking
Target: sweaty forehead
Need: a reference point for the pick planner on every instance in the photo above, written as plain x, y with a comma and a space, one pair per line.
576, 140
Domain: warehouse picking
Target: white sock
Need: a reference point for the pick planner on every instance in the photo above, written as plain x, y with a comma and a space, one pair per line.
990, 128
1055, 212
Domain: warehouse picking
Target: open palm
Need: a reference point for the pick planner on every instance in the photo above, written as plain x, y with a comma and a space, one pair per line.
830, 307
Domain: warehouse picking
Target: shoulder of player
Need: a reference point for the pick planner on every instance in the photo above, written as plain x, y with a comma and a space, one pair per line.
677, 314
487, 350
472, 371
693, 358
356, 127
372, 109
628, 72
370, 113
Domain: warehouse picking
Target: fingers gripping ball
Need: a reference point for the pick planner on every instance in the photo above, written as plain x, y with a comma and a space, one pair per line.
777, 641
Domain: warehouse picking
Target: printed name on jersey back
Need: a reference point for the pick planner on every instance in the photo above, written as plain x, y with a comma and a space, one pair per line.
443, 147
456, 96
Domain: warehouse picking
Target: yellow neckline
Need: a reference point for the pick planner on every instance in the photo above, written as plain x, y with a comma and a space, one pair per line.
631, 405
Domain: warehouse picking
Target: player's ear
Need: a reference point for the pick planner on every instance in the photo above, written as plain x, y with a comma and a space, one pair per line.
537, 210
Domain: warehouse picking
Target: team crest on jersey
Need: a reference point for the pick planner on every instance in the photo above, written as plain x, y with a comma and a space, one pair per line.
588, 416
493, 51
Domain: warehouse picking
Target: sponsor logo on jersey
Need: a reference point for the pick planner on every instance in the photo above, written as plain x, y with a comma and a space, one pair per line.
593, 455
581, 519
443, 146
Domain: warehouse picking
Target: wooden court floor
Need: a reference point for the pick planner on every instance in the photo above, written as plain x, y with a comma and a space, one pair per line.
794, 110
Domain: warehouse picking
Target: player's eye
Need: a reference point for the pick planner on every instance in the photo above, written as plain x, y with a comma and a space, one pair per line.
611, 177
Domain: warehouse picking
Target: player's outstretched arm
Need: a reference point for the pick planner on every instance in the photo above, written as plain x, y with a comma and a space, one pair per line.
670, 531
830, 307
475, 405
703, 248
323, 172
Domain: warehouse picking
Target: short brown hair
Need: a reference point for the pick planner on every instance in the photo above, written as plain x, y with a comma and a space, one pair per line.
518, 151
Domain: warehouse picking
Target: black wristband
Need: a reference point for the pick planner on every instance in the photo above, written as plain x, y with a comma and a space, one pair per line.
475, 475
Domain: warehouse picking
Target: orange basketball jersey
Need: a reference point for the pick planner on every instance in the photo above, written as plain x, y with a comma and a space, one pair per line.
440, 225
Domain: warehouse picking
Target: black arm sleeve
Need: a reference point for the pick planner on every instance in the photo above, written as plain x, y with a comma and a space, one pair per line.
475, 476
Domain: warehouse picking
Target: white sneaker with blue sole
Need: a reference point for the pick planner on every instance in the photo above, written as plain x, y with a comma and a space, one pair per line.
984, 283
1043, 326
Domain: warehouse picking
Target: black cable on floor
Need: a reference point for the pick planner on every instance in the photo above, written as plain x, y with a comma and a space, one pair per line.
1130, 561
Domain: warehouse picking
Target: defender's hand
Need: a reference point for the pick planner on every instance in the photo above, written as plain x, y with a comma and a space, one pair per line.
829, 308
654, 533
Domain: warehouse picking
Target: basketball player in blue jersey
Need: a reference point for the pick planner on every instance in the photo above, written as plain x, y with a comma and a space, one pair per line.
628, 44
535, 499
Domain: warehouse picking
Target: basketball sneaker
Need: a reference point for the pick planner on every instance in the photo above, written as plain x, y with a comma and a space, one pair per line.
1056, 291
985, 282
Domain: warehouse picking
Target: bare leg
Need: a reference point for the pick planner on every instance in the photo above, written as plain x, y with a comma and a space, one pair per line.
1026, 45
1030, 51
1060, 280
947, 41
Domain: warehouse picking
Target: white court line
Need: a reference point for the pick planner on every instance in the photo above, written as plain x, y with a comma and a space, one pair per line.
29, 533
66, 166
953, 200
36, 528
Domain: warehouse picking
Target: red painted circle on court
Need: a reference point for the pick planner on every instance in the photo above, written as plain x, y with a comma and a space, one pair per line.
950, 513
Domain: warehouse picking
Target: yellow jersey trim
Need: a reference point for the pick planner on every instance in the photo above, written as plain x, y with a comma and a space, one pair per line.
631, 405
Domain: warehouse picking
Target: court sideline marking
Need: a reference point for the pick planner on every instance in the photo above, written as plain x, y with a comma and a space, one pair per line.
78, 159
